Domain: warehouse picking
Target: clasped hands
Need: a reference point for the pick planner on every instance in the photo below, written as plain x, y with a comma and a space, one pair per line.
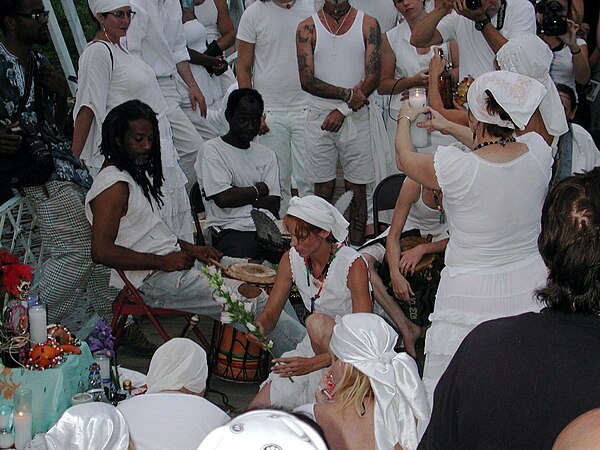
184, 259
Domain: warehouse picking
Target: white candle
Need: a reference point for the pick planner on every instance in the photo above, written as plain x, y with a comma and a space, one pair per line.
6, 439
104, 364
417, 98
38, 327
23, 426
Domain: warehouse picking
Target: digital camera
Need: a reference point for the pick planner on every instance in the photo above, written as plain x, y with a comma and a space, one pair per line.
32, 144
473, 4
553, 22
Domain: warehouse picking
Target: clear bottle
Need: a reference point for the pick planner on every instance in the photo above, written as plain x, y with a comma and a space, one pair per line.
94, 380
445, 84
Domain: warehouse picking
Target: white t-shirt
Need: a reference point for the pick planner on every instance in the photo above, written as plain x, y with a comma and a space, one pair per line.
493, 209
476, 56
225, 166
585, 153
561, 69
383, 10
170, 420
272, 30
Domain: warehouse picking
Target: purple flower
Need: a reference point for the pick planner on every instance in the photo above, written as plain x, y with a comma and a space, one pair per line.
95, 344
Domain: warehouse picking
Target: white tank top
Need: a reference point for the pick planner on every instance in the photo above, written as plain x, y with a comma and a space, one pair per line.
425, 219
207, 14
338, 60
335, 298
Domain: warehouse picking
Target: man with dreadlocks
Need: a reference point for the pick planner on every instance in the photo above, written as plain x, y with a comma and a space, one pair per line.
128, 233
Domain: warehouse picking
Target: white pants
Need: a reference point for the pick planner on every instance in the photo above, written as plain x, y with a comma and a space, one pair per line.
286, 139
185, 137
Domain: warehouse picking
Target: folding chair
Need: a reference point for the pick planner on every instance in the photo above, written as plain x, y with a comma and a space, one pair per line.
197, 205
385, 196
130, 302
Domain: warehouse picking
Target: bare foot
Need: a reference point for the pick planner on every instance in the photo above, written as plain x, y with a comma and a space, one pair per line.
409, 337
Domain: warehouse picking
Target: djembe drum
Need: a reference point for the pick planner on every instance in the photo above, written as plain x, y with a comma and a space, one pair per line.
233, 356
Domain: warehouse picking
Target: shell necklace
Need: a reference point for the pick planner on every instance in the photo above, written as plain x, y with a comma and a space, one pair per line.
333, 52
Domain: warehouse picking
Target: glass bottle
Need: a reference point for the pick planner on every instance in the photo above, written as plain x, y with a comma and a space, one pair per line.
445, 83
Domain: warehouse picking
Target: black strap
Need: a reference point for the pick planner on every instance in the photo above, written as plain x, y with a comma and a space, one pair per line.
501, 15
28, 83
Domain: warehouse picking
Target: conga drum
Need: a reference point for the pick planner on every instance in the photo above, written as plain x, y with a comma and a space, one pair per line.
235, 358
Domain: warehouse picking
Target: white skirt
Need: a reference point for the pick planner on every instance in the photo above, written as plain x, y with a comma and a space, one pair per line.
468, 299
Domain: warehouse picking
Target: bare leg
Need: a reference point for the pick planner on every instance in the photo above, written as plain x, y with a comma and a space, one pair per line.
325, 190
409, 331
320, 328
357, 212
263, 398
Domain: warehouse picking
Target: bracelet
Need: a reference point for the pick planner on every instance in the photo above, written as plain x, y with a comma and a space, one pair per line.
403, 116
350, 96
257, 193
577, 52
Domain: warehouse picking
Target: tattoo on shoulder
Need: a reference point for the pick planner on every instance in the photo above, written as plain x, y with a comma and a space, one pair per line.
374, 35
304, 32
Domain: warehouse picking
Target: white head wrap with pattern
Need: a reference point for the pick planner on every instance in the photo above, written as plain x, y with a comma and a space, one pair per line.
320, 213
102, 6
529, 55
367, 342
518, 95
178, 363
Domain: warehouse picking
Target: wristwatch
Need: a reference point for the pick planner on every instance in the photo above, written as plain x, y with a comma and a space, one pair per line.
479, 25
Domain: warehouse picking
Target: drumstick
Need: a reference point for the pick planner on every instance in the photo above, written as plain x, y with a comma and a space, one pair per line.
216, 263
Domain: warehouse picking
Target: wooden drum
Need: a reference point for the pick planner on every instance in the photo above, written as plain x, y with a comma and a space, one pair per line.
235, 358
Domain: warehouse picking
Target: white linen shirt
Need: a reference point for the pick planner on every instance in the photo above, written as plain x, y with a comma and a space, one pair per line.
156, 35
585, 153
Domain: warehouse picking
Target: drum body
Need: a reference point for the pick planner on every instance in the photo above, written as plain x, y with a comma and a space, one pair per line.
235, 358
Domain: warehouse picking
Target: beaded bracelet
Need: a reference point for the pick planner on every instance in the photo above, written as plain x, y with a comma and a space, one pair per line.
257, 193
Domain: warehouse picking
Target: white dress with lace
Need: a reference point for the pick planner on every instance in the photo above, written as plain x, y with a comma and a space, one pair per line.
335, 300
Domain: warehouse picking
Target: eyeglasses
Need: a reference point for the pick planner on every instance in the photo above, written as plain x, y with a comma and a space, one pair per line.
121, 14
38, 16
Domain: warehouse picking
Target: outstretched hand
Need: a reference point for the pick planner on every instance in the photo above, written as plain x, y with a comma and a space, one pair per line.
410, 112
435, 121
202, 253
410, 258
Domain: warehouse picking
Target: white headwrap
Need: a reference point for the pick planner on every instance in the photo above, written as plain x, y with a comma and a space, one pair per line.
529, 55
102, 6
178, 363
518, 95
92, 425
367, 342
264, 429
320, 213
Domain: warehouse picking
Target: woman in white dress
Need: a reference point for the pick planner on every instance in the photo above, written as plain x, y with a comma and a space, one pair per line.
371, 397
404, 66
493, 197
109, 76
332, 280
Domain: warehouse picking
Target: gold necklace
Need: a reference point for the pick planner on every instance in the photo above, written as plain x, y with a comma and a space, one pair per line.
439, 206
333, 52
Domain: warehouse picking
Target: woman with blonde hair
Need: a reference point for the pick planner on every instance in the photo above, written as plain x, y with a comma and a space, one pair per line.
371, 397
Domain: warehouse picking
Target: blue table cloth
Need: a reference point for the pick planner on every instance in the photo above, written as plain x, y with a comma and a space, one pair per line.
52, 389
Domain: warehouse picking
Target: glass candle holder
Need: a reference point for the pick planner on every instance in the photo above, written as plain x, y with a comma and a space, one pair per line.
22, 399
417, 98
103, 362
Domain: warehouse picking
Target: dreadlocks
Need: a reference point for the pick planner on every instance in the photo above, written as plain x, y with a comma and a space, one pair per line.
150, 176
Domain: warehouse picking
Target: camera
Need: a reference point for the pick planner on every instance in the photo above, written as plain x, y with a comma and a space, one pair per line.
473, 4
553, 22
32, 144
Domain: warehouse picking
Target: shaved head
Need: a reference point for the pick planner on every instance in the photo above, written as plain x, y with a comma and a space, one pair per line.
581, 434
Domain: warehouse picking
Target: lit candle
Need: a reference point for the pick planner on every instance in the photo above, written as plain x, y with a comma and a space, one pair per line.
104, 363
23, 427
6, 439
417, 98
38, 327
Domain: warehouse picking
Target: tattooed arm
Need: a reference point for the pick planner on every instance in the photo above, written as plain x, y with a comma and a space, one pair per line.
372, 36
305, 45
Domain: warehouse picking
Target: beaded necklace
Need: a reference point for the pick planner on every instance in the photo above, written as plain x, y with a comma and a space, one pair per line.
502, 142
285, 5
319, 281
439, 206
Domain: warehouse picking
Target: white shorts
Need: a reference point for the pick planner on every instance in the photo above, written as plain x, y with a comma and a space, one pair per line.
323, 148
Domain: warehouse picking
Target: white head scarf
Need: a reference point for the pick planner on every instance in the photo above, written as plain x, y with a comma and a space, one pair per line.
518, 95
529, 55
264, 429
92, 425
178, 363
102, 6
367, 342
320, 213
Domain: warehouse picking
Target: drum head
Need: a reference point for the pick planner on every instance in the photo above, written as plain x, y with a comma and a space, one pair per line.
412, 241
252, 273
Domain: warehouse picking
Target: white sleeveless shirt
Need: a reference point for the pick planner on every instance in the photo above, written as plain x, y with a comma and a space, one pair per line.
335, 298
141, 229
338, 60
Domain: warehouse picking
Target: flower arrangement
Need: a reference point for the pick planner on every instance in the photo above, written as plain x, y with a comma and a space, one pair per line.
103, 341
234, 309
